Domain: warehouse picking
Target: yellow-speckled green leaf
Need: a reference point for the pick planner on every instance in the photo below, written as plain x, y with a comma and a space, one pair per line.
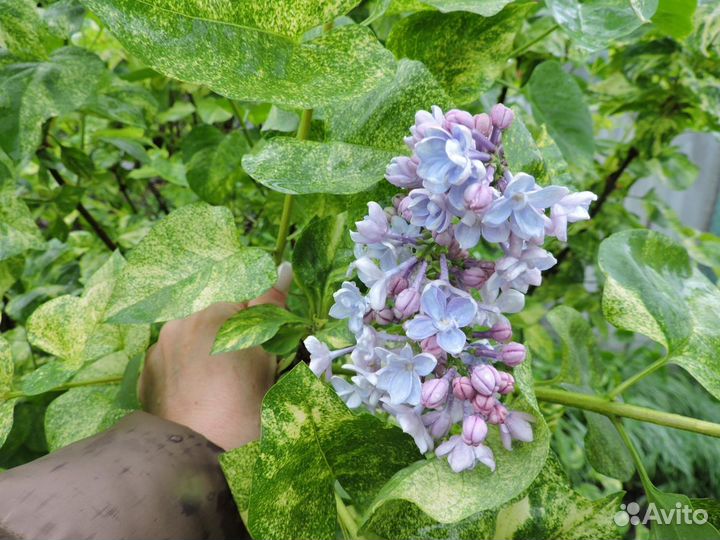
188, 261
549, 510
7, 409
80, 413
251, 50
595, 24
382, 118
7, 367
653, 288
213, 171
448, 497
568, 120
72, 327
32, 92
289, 165
310, 441
18, 231
465, 51
252, 326
22, 30
237, 466
486, 8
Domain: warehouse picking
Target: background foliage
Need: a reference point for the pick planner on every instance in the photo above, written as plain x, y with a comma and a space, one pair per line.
145, 153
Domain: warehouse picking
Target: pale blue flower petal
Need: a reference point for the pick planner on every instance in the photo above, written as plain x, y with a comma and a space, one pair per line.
420, 327
452, 341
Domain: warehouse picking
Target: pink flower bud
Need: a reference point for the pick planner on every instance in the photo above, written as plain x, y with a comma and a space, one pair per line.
407, 303
474, 430
475, 277
455, 252
478, 197
462, 388
501, 332
403, 208
482, 123
384, 317
484, 379
456, 116
498, 414
430, 345
501, 116
506, 383
435, 393
483, 404
444, 238
397, 285
513, 354
438, 423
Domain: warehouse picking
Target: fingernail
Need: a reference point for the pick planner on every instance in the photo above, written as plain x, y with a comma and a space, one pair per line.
285, 277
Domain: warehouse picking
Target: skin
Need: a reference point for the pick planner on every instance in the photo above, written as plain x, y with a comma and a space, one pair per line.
219, 396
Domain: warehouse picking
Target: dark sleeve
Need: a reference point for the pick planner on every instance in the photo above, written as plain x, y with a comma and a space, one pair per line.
146, 478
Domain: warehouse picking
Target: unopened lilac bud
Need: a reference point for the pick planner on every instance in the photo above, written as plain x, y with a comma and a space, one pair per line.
462, 388
397, 285
513, 354
498, 414
407, 303
501, 331
506, 383
384, 317
501, 116
404, 208
483, 404
455, 252
430, 345
444, 238
456, 116
402, 172
483, 123
435, 393
478, 197
475, 277
474, 430
484, 379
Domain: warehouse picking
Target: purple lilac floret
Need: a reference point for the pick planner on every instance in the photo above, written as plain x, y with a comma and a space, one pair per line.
434, 347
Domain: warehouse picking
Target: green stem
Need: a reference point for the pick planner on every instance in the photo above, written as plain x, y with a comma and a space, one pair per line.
613, 408
243, 126
523, 48
68, 386
302, 134
82, 132
627, 383
644, 478
347, 522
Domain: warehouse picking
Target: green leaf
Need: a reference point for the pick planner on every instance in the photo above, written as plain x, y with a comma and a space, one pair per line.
78, 162
22, 30
662, 529
550, 508
430, 484
79, 413
18, 232
252, 326
311, 441
578, 343
188, 261
72, 327
382, 118
7, 368
674, 169
558, 102
46, 377
597, 24
213, 171
237, 466
521, 152
289, 165
486, 8
250, 51
31, 93
675, 17
6, 419
468, 63
605, 449
652, 288
323, 246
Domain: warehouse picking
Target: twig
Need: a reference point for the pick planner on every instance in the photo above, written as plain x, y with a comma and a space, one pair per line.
160, 200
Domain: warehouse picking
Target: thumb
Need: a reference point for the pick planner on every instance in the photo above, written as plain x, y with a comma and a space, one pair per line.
278, 294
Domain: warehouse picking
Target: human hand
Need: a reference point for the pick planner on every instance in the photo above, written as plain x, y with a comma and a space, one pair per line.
218, 396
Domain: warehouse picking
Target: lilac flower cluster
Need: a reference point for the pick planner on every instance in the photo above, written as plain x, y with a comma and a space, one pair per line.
433, 345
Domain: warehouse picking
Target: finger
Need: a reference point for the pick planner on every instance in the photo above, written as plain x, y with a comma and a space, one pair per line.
278, 294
